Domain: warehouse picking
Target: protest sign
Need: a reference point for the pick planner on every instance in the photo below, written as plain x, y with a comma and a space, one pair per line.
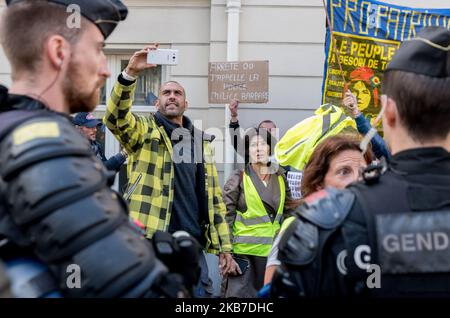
247, 82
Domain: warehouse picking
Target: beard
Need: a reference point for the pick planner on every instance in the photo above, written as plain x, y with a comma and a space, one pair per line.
79, 99
172, 113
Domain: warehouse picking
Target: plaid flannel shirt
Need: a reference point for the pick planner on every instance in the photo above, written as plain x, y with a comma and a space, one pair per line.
150, 157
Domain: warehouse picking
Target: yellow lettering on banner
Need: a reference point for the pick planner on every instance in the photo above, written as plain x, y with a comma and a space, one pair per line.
336, 83
343, 48
337, 3
379, 15
406, 13
391, 52
394, 16
373, 64
352, 61
447, 22
334, 94
348, 16
365, 10
413, 24
354, 48
35, 131
362, 49
428, 23
336, 72
378, 51
436, 20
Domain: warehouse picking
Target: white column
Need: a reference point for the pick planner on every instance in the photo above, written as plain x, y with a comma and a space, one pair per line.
233, 10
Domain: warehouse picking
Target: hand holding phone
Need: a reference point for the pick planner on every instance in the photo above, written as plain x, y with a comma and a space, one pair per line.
138, 62
162, 57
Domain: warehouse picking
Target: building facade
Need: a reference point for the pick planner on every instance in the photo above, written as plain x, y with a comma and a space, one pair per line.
289, 34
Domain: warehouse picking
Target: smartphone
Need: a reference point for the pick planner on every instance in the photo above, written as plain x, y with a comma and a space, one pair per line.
243, 263
162, 57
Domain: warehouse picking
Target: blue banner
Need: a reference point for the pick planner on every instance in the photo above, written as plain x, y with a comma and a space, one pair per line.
366, 35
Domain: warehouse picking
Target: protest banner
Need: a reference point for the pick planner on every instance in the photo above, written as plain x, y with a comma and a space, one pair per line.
366, 35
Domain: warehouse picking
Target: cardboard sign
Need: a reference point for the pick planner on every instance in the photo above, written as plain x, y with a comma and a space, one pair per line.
248, 82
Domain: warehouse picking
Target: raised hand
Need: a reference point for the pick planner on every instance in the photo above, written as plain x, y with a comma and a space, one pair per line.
138, 62
234, 109
351, 103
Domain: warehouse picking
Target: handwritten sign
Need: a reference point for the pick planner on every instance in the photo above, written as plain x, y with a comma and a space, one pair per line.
247, 82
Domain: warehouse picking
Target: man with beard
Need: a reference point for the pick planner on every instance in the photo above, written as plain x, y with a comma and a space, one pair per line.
56, 205
172, 177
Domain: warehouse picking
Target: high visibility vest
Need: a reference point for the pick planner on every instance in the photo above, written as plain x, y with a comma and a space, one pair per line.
298, 143
253, 230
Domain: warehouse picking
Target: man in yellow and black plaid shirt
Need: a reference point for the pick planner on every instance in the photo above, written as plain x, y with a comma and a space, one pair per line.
172, 174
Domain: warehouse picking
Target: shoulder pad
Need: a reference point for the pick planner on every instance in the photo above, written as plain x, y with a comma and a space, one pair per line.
299, 243
327, 208
40, 139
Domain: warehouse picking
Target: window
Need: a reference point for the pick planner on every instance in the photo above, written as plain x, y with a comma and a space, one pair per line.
147, 86
147, 89
148, 83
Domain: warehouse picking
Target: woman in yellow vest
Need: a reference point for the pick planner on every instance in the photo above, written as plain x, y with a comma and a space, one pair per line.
255, 199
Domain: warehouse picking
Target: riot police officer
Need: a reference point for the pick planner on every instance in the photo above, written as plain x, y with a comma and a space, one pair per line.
389, 235
56, 205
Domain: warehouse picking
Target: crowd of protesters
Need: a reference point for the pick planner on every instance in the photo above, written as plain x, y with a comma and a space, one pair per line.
175, 203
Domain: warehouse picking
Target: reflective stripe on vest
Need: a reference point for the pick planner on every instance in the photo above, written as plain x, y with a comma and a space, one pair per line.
252, 221
253, 230
253, 240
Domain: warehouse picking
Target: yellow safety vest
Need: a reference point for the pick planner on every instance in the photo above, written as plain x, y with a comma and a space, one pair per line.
253, 230
296, 146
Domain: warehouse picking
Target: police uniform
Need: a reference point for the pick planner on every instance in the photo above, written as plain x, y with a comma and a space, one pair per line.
387, 236
56, 204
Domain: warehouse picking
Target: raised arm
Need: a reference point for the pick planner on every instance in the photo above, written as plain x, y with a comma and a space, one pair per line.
130, 129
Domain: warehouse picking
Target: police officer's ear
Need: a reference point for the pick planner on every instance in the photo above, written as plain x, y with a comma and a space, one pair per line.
391, 115
157, 103
56, 50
